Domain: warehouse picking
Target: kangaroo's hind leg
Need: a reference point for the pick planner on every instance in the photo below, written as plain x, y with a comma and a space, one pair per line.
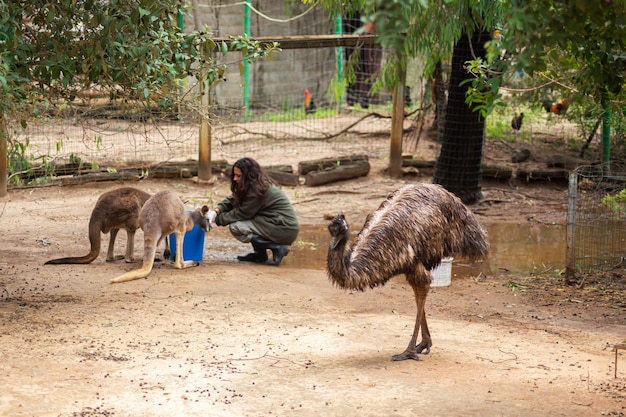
110, 251
179, 261
148, 262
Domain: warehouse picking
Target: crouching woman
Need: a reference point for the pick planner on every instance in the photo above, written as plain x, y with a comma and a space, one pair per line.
258, 212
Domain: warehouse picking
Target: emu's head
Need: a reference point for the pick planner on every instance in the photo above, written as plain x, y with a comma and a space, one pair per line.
339, 230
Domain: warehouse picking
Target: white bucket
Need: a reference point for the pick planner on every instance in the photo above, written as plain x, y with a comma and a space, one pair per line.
442, 275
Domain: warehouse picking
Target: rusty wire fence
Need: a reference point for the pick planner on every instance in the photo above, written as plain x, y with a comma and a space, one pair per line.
111, 143
266, 120
596, 220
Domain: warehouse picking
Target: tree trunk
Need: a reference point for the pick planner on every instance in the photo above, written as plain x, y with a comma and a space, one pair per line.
4, 169
458, 166
397, 124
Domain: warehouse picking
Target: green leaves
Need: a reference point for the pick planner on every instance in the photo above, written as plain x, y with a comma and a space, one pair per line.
483, 87
135, 49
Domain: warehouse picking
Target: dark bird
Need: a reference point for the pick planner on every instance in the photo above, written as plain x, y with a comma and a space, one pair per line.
309, 103
410, 233
407, 96
516, 123
556, 107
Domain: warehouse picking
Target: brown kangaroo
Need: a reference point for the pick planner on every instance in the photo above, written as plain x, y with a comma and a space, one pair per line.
116, 209
164, 213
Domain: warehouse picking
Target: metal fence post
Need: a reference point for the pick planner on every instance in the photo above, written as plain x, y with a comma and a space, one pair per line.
570, 255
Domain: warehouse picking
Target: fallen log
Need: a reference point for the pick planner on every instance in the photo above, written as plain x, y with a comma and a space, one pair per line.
337, 173
499, 173
183, 169
305, 167
545, 175
496, 172
97, 177
279, 168
418, 163
285, 178
565, 161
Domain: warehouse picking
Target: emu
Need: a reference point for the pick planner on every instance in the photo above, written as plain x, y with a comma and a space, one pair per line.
410, 233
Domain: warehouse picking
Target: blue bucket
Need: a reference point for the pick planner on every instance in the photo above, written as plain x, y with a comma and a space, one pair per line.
193, 245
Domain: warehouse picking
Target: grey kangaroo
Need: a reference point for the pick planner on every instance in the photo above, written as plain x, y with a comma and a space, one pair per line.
116, 209
165, 213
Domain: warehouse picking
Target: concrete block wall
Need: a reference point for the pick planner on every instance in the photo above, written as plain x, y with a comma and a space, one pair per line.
279, 82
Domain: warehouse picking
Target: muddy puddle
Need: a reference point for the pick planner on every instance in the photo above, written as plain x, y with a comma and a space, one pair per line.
517, 248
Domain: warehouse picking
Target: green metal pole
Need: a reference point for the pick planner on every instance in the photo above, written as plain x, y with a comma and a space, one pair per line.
181, 19
339, 31
246, 65
606, 138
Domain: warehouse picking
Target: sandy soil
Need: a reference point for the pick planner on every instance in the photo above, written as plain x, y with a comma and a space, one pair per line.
233, 339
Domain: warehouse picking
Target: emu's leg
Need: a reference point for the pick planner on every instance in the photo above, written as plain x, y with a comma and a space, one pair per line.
420, 282
110, 255
426, 343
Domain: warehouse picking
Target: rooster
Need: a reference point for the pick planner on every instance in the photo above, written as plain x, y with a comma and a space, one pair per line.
556, 107
309, 103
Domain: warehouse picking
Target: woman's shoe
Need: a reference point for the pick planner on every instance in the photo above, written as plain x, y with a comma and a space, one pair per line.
279, 252
250, 257
258, 255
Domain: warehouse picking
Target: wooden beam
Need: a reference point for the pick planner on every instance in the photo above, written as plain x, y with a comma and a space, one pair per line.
311, 41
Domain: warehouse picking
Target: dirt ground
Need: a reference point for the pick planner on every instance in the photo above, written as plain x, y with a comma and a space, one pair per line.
234, 339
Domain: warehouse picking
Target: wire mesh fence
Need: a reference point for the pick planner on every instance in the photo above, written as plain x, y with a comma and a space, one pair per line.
596, 226
262, 115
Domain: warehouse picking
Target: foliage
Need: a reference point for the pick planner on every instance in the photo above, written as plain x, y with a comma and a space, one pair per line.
573, 43
133, 50
424, 28
484, 90
616, 203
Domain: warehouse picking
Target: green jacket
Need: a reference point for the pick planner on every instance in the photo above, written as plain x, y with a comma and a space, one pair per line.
273, 215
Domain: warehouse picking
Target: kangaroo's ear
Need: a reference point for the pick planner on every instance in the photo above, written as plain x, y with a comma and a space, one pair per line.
205, 209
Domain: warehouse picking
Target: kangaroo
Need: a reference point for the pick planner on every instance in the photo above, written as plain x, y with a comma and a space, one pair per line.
116, 209
164, 213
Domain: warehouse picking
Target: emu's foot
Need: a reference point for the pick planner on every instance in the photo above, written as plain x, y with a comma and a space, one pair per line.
423, 347
407, 354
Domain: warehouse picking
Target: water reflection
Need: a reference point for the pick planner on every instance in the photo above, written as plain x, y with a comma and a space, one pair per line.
518, 248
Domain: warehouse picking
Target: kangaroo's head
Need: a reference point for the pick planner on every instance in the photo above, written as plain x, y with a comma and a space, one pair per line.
203, 217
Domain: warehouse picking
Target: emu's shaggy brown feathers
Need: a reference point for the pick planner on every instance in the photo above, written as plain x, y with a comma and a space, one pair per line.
416, 226
410, 233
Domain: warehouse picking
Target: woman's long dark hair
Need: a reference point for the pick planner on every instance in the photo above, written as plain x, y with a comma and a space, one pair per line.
253, 177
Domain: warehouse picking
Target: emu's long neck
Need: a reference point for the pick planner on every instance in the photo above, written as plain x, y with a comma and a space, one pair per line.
338, 259
341, 270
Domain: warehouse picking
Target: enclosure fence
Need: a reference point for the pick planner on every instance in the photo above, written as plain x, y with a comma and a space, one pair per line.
596, 220
262, 116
